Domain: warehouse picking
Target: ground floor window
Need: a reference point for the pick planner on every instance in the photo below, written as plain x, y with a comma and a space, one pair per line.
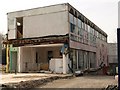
82, 59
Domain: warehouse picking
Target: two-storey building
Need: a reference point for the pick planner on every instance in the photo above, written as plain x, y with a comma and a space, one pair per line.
56, 36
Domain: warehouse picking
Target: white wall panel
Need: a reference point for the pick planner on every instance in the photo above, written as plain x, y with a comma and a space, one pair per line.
12, 34
39, 10
46, 24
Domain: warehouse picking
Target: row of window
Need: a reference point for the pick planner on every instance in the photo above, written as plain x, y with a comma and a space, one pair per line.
76, 26
82, 59
86, 39
82, 36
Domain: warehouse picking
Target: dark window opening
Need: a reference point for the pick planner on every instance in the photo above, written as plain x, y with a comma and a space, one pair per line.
72, 27
36, 57
50, 55
19, 27
71, 11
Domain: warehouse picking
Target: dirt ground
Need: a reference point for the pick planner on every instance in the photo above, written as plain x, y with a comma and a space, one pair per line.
83, 82
16, 78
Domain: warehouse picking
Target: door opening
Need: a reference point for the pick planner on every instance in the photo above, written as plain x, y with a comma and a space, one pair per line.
50, 55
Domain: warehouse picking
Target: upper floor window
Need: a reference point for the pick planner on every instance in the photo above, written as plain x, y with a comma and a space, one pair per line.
75, 21
71, 18
79, 23
83, 25
88, 28
72, 27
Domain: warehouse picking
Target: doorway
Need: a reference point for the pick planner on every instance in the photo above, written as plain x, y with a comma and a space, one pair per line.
50, 55
13, 65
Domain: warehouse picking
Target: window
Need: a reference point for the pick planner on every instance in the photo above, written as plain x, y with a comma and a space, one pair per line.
92, 59
75, 21
72, 27
83, 26
91, 30
79, 23
106, 39
71, 18
78, 31
88, 28
36, 57
97, 34
80, 60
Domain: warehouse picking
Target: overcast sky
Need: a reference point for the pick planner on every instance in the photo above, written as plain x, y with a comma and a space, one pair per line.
104, 13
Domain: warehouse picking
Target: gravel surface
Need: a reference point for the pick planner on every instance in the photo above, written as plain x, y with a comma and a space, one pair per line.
83, 82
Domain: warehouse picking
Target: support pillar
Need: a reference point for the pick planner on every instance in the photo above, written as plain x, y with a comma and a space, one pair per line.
19, 60
65, 64
10, 63
7, 58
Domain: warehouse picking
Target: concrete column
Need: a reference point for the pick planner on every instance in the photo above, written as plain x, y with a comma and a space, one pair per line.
19, 63
67, 60
77, 58
65, 64
7, 58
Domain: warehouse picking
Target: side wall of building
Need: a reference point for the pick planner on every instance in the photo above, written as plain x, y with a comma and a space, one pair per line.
112, 53
101, 53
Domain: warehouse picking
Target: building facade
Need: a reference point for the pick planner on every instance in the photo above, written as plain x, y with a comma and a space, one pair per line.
40, 37
112, 57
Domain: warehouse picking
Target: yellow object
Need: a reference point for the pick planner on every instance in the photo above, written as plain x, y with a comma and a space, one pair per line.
7, 59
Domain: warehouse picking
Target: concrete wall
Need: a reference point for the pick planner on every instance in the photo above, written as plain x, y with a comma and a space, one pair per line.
101, 52
77, 45
112, 53
43, 52
39, 21
45, 24
38, 11
26, 59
